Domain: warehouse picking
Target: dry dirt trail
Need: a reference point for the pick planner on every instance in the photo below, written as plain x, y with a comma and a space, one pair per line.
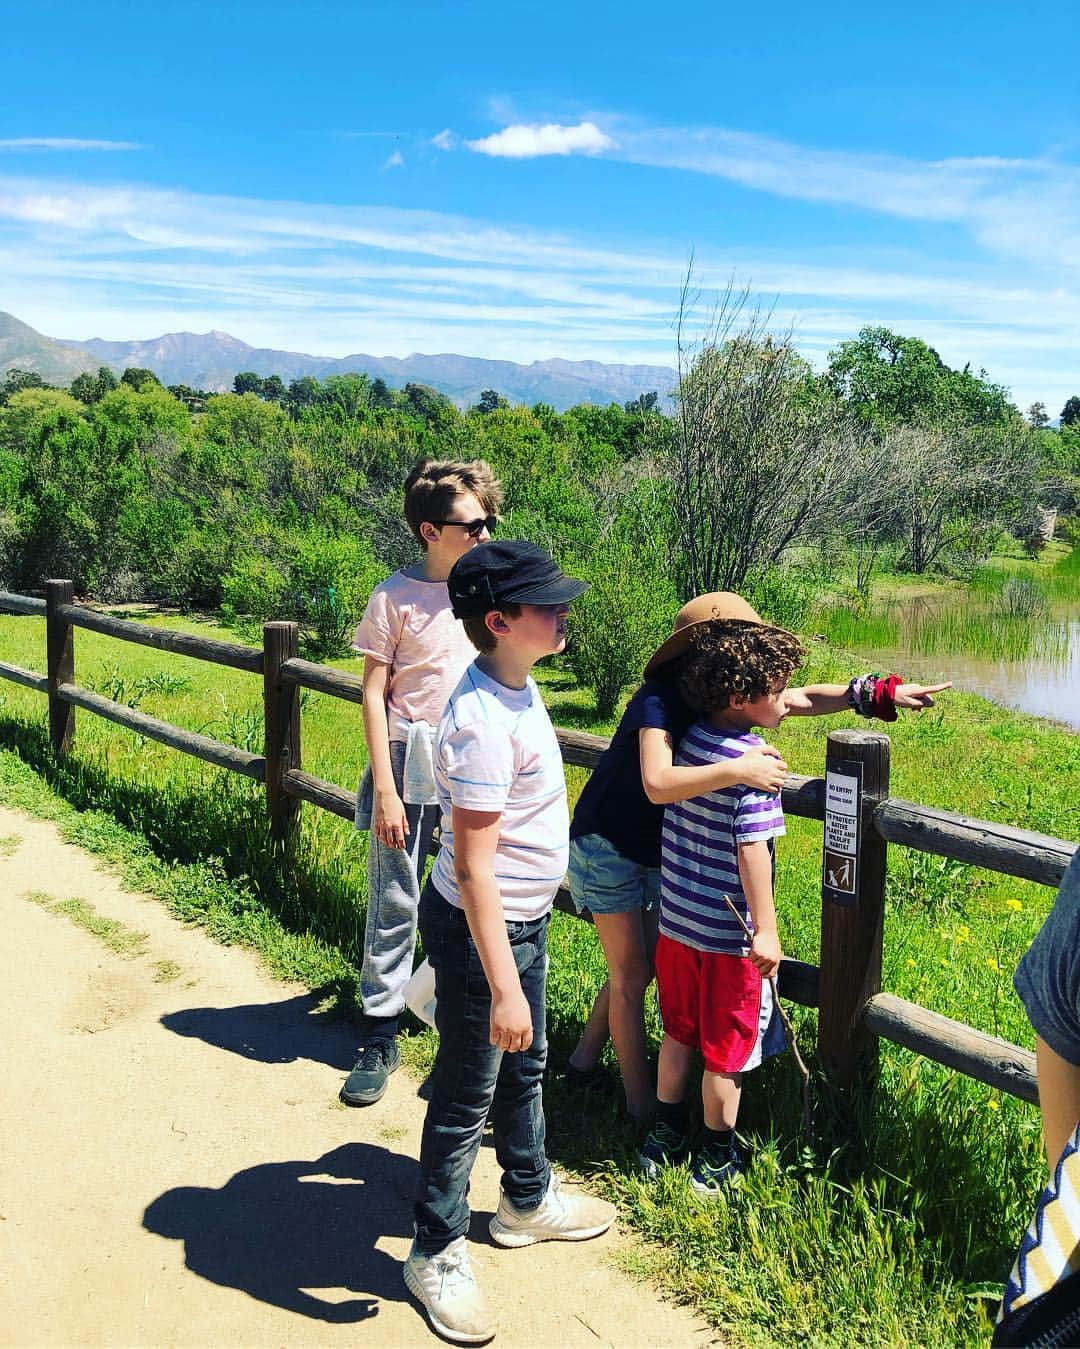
175, 1168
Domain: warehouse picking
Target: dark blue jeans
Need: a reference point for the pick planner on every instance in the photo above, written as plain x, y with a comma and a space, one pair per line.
472, 1078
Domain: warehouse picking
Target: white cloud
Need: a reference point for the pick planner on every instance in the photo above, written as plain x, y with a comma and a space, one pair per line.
532, 141
395, 161
65, 143
445, 140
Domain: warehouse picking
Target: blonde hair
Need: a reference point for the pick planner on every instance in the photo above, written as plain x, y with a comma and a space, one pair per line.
430, 489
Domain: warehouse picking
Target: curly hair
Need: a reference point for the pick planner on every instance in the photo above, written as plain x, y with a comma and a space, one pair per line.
733, 657
433, 484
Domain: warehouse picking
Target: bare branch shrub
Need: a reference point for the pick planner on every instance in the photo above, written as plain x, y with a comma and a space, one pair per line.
760, 455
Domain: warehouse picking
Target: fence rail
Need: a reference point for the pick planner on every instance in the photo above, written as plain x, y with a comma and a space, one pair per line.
861, 821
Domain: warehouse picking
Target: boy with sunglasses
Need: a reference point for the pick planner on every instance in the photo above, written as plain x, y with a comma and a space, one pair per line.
415, 651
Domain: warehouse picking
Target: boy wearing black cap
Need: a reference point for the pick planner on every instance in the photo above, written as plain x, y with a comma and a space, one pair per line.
483, 918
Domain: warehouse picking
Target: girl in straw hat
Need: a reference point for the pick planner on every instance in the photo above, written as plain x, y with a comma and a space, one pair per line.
614, 867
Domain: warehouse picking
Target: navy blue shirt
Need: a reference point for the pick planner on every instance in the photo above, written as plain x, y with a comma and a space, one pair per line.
614, 804
1048, 977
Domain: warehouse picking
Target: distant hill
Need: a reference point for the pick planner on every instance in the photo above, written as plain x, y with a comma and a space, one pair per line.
22, 348
211, 360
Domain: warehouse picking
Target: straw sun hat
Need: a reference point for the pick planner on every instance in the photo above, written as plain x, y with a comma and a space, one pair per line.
701, 609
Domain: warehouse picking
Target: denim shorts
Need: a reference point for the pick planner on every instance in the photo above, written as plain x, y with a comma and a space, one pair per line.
602, 880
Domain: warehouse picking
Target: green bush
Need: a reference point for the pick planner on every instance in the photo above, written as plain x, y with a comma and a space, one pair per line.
330, 579
616, 625
253, 590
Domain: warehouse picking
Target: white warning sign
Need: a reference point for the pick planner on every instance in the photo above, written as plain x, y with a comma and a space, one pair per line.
839, 863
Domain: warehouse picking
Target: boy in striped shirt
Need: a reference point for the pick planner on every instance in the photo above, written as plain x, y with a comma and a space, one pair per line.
713, 985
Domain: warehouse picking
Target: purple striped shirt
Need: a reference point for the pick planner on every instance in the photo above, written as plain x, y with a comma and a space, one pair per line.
699, 860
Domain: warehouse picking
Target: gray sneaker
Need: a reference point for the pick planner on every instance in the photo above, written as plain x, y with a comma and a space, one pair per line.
446, 1287
559, 1217
366, 1084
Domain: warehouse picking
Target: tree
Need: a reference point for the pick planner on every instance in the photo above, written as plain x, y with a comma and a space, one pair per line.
1037, 416
1070, 413
952, 491
643, 403
759, 457
380, 396
273, 389
247, 381
490, 401
886, 378
139, 379
303, 392
17, 380
90, 389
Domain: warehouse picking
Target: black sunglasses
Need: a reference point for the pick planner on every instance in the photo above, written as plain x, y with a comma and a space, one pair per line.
474, 528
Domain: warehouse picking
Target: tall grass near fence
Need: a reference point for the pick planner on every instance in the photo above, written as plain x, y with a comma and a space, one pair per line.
895, 1240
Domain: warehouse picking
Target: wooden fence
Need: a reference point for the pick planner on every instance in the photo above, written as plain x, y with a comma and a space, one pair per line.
859, 816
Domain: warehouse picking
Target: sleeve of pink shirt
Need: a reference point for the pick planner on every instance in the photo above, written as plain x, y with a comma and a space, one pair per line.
378, 631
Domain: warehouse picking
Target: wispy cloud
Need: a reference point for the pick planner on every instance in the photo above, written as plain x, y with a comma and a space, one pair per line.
395, 161
65, 143
127, 260
445, 140
1028, 208
533, 141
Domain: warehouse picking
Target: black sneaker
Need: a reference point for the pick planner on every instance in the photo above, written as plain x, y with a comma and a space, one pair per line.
366, 1083
715, 1170
665, 1146
585, 1079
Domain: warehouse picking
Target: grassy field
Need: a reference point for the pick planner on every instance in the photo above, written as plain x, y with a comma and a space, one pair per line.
903, 1237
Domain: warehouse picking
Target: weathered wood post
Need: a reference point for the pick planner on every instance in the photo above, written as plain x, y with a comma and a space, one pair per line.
60, 662
281, 710
852, 903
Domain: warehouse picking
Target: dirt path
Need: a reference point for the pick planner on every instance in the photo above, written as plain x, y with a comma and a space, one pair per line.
175, 1166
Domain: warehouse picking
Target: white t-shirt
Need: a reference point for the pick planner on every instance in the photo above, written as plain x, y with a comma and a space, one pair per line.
408, 624
495, 750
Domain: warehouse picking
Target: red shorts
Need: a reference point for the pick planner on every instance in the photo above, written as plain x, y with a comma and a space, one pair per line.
714, 1002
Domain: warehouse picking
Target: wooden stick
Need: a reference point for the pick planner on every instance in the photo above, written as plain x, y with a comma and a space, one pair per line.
789, 1029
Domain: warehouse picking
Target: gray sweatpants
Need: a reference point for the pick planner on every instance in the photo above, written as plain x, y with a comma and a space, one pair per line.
393, 896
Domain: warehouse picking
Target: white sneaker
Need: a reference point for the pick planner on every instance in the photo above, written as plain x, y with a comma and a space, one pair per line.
445, 1285
559, 1217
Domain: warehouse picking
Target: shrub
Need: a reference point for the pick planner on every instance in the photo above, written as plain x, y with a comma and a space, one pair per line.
616, 625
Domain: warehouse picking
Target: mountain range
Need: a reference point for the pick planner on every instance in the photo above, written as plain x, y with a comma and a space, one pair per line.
210, 361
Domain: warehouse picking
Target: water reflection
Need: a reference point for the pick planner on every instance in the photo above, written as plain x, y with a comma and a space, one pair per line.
1044, 681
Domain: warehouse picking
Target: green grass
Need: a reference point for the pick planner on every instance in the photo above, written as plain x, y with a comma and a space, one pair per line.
890, 1239
118, 937
1009, 611
9, 844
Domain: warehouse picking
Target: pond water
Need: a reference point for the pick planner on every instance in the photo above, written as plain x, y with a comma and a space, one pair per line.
1043, 679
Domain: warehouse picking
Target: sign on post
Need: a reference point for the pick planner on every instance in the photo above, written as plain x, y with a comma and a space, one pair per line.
843, 821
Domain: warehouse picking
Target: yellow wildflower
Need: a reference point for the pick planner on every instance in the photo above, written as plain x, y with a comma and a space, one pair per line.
991, 964
963, 932
992, 1105
1014, 904
910, 963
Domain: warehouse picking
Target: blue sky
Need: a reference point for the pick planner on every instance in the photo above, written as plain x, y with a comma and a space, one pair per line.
525, 180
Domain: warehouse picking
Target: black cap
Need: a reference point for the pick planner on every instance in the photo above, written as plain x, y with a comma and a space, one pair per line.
508, 571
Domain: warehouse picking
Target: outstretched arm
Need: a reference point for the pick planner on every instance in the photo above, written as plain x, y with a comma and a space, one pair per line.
818, 700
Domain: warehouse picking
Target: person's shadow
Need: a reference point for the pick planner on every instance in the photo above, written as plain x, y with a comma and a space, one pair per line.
277, 1230
272, 1032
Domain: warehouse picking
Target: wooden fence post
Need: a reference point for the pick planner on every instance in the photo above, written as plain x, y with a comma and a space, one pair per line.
281, 708
852, 903
60, 662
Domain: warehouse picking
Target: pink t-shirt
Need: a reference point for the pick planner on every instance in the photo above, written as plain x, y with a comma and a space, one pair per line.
408, 625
